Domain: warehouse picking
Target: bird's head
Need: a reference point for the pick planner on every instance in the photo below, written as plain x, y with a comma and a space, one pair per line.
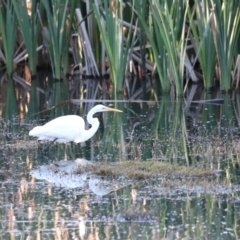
102, 108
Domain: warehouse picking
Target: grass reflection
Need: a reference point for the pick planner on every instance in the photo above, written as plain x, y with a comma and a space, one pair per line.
146, 208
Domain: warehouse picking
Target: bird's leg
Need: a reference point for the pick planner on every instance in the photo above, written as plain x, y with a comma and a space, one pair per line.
45, 149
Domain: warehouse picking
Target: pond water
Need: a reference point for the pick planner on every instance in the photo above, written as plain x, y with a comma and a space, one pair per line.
41, 198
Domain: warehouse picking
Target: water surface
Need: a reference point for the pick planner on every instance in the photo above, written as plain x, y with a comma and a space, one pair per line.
42, 199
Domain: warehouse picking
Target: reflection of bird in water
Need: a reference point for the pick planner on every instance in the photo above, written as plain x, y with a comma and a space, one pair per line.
62, 173
99, 186
69, 128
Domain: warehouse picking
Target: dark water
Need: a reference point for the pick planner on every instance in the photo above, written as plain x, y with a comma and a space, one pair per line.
42, 199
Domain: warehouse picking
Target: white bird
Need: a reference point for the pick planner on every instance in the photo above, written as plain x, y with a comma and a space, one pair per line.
69, 128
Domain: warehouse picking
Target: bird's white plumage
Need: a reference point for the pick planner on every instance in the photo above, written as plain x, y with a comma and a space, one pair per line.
71, 127
65, 129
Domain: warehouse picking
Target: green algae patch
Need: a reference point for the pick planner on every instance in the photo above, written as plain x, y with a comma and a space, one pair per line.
145, 169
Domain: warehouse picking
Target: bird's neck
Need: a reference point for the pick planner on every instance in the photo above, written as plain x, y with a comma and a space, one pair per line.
95, 125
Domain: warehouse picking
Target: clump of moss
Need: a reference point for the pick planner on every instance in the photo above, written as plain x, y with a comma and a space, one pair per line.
145, 169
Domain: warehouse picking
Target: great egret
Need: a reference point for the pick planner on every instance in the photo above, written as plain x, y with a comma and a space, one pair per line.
69, 128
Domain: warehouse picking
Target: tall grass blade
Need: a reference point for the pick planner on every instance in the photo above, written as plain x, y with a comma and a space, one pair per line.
110, 23
159, 50
226, 34
11, 106
203, 40
56, 11
141, 8
29, 29
8, 30
168, 43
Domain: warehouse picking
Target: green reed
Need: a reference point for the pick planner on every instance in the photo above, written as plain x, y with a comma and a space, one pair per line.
203, 40
57, 35
158, 49
11, 103
110, 23
227, 24
8, 30
142, 9
168, 43
29, 29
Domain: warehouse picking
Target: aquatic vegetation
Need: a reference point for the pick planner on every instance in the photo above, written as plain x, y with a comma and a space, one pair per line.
8, 30
57, 34
29, 28
55, 38
169, 45
145, 169
226, 37
110, 25
203, 40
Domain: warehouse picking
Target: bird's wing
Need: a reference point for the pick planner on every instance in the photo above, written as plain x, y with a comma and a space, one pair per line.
65, 128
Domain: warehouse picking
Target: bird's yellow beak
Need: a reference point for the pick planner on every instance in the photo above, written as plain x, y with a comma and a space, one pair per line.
113, 109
